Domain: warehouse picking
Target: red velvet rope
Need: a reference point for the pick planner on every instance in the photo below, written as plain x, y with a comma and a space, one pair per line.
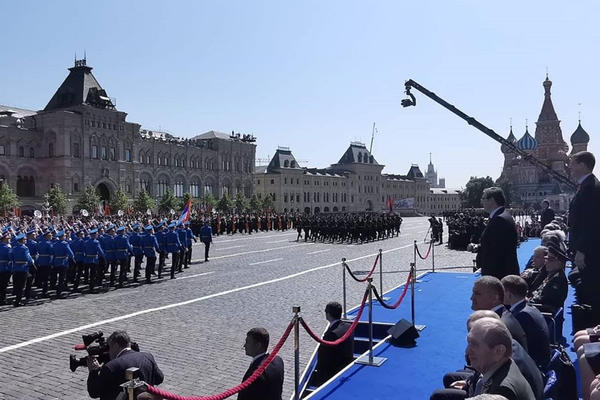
428, 251
399, 301
235, 389
366, 277
316, 337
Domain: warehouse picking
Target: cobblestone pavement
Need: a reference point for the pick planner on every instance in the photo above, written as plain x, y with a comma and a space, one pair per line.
195, 325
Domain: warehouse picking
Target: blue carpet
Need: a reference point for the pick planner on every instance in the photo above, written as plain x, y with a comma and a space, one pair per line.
442, 303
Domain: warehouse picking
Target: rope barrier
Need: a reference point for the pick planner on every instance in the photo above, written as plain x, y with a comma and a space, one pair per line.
428, 251
398, 302
235, 389
317, 338
366, 277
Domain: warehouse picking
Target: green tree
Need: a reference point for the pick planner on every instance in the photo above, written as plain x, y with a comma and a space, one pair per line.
505, 185
184, 200
143, 202
208, 201
168, 202
267, 203
225, 203
471, 196
88, 199
118, 201
57, 200
241, 203
8, 198
255, 203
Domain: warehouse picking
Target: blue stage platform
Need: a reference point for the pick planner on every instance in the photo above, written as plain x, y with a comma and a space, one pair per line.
442, 303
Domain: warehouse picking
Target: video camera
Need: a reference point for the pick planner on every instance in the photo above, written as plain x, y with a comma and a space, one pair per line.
96, 346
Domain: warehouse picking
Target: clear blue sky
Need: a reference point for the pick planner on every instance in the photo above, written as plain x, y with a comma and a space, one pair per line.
315, 75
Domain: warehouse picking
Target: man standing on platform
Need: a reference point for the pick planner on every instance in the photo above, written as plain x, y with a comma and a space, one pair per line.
584, 230
332, 359
206, 238
547, 213
497, 249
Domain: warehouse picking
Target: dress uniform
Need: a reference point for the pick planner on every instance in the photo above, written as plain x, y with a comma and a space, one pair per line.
161, 238
150, 247
122, 251
173, 246
135, 240
206, 238
183, 249
22, 262
33, 251
60, 261
188, 242
107, 242
77, 245
93, 253
44, 261
5, 264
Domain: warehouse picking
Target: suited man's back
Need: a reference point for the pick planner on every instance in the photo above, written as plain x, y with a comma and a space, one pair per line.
533, 323
332, 359
509, 382
514, 326
529, 369
269, 385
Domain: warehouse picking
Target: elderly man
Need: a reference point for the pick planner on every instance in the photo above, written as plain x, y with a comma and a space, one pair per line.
535, 265
489, 348
497, 251
550, 287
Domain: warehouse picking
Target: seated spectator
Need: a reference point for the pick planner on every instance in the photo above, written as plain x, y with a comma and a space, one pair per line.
531, 319
589, 367
462, 378
269, 385
588, 335
535, 264
550, 288
332, 359
488, 294
489, 348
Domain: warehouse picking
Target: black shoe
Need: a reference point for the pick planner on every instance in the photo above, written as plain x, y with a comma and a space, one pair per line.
206, 260
16, 304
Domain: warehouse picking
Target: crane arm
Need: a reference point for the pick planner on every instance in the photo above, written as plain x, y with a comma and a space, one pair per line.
412, 101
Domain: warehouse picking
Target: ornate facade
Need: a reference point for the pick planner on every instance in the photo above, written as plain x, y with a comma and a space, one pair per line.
354, 183
80, 138
529, 185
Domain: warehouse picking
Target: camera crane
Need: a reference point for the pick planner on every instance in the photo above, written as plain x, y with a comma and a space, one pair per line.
412, 101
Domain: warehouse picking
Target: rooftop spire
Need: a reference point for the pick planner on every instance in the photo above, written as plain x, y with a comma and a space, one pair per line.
547, 113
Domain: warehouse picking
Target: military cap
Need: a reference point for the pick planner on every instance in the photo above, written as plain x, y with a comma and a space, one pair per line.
60, 233
148, 227
120, 229
20, 236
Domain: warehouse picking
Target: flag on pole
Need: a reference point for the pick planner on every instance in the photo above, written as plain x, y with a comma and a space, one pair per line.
185, 214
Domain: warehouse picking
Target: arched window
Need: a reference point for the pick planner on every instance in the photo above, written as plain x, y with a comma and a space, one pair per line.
31, 152
292, 164
146, 184
162, 186
195, 188
21, 151
286, 164
178, 188
359, 157
50, 150
25, 186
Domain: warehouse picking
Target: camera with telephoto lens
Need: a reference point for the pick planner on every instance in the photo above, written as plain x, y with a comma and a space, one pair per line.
96, 346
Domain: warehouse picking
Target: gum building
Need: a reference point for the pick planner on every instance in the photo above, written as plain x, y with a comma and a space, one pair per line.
80, 138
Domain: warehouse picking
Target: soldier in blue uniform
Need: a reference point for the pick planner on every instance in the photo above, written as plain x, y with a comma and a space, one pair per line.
108, 245
77, 245
33, 251
122, 252
22, 263
135, 239
161, 238
206, 238
62, 255
44, 261
150, 246
93, 253
183, 249
173, 247
188, 242
5, 264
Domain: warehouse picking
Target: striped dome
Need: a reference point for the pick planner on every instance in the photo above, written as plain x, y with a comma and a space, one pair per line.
511, 138
527, 142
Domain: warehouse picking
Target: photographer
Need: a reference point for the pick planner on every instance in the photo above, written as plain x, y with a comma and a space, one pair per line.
104, 380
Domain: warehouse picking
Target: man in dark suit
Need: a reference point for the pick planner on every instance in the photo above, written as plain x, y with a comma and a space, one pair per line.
489, 348
332, 359
531, 319
547, 214
497, 249
269, 384
584, 229
488, 294
104, 381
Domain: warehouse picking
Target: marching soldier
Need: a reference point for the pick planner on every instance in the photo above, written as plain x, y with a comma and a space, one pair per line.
60, 261
188, 243
44, 261
5, 264
122, 251
173, 247
206, 238
183, 240
22, 262
150, 247
135, 239
33, 251
78, 247
161, 238
93, 254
